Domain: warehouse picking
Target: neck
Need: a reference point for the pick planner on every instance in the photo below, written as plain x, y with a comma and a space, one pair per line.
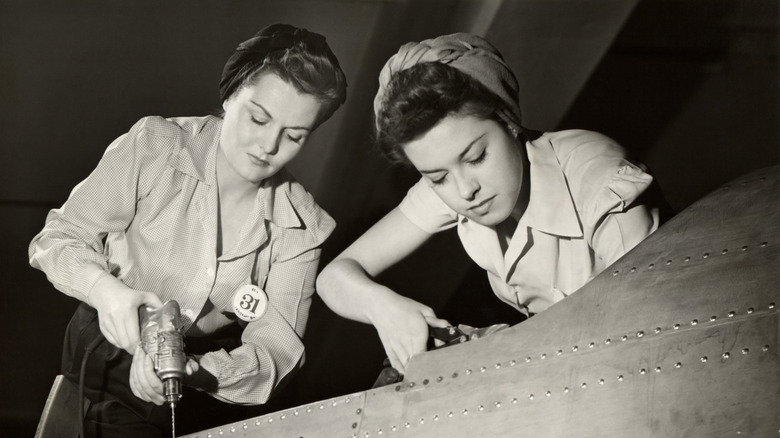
525, 189
231, 185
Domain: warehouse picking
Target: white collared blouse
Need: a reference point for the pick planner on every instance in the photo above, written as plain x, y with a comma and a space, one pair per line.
581, 217
148, 215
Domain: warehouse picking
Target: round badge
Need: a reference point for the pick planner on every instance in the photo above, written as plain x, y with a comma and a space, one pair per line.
250, 302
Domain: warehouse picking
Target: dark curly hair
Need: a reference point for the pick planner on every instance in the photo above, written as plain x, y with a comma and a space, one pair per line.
297, 56
419, 97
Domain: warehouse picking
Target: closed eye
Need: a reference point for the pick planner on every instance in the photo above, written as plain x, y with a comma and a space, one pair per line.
479, 159
258, 122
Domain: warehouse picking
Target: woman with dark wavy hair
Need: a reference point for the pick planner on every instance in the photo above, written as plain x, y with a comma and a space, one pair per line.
542, 213
199, 210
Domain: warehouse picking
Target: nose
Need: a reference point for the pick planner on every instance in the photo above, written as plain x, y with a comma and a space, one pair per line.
468, 187
269, 143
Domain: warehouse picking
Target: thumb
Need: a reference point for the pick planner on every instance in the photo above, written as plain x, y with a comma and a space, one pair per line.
433, 321
152, 300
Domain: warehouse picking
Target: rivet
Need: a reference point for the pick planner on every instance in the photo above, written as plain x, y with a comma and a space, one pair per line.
530, 397
560, 352
705, 255
208, 435
725, 251
620, 378
704, 358
358, 411
220, 432
657, 369
744, 248
257, 422
232, 430
614, 274
765, 348
367, 434
763, 244
771, 305
678, 365
544, 355
334, 401
668, 262
651, 266
435, 418
726, 355
379, 432
607, 341
745, 350
676, 326
633, 269
450, 414
481, 408
270, 420
422, 420
468, 372
548, 393
687, 259
514, 401
245, 426
425, 381
713, 318
411, 384
454, 375
565, 389
623, 338
657, 330
283, 416
750, 310
498, 404
642, 371
398, 388
308, 409
482, 369
574, 348
393, 428
731, 314
296, 412
694, 322
465, 412
584, 385
639, 334
591, 345
512, 362
601, 381
498, 365
407, 425
354, 425
439, 379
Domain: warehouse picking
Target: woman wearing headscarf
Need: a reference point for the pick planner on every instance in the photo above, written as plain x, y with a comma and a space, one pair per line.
541, 213
200, 210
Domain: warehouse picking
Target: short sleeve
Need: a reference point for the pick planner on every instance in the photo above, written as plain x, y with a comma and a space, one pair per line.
423, 207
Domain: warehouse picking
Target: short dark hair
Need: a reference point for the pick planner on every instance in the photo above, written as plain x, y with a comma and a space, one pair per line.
419, 97
299, 57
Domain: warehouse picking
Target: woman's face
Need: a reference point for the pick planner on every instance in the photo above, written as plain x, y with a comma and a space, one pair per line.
473, 165
265, 125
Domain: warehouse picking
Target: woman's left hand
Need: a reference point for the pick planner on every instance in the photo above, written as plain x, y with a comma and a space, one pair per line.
143, 380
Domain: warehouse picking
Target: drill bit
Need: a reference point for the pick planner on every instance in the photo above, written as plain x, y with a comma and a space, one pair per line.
173, 420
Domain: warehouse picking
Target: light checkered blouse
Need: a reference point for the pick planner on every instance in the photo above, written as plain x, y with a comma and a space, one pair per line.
148, 215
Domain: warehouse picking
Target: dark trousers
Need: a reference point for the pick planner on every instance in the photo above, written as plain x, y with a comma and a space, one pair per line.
114, 411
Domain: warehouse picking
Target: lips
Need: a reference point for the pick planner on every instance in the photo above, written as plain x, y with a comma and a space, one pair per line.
483, 207
258, 161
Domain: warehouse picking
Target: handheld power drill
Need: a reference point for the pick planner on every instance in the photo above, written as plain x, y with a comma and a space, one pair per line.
162, 339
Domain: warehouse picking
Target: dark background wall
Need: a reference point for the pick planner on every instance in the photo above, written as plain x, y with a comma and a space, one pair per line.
690, 87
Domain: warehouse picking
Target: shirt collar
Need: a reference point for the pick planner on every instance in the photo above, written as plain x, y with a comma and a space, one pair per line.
196, 156
551, 208
278, 207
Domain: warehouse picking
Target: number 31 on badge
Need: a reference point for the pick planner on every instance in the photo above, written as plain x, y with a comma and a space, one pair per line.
250, 302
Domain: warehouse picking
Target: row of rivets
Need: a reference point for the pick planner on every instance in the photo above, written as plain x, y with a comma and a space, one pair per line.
575, 348
688, 258
566, 390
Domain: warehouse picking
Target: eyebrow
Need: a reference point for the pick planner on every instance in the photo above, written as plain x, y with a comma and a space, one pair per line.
268, 114
460, 156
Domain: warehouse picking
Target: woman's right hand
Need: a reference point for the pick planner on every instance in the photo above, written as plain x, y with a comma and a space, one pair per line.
402, 325
117, 306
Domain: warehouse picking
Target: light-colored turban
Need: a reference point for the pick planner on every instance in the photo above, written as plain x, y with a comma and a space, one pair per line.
468, 53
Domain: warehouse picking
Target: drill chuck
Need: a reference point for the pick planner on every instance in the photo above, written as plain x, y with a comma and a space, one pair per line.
162, 339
